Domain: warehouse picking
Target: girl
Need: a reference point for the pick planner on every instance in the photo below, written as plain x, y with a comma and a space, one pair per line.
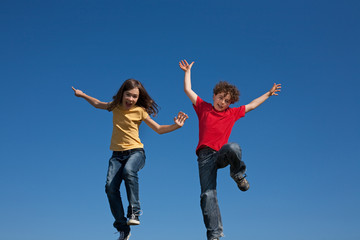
130, 106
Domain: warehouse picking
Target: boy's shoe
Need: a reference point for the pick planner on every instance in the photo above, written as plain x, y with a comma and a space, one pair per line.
124, 235
133, 220
242, 183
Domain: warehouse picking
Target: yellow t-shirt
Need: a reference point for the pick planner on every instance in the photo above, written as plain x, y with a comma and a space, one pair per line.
126, 124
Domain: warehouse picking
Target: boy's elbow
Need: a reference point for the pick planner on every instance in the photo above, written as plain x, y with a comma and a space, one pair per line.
249, 108
187, 90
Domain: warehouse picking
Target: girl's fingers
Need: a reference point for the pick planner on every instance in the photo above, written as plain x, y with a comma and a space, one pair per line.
181, 117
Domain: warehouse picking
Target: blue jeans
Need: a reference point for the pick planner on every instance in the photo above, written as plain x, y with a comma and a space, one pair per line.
209, 162
124, 166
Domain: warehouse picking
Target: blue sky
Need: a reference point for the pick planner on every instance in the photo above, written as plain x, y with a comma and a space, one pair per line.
301, 147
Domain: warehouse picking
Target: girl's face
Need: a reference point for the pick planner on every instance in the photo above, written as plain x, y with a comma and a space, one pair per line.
130, 98
221, 101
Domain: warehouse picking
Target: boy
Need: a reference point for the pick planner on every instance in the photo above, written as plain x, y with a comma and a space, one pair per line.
213, 150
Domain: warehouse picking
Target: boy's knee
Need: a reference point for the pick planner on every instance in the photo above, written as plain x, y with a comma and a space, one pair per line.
234, 147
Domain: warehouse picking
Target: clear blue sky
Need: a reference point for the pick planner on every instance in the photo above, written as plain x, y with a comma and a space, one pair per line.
302, 148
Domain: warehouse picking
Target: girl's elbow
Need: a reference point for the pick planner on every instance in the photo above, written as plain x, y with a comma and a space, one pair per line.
159, 131
101, 105
98, 106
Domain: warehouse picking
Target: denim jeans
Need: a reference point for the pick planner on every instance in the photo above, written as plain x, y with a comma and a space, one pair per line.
124, 166
209, 162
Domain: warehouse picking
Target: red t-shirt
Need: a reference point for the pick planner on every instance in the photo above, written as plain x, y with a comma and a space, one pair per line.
214, 126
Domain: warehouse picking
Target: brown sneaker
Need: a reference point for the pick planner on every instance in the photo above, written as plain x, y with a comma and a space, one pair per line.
242, 183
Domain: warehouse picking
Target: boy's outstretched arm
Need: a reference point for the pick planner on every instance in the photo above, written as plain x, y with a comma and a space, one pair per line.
93, 101
187, 80
161, 129
258, 101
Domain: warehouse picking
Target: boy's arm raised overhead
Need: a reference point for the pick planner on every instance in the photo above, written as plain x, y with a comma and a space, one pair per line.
258, 101
187, 80
93, 101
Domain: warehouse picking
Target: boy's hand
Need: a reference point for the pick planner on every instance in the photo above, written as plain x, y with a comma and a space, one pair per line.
185, 66
77, 92
276, 88
180, 119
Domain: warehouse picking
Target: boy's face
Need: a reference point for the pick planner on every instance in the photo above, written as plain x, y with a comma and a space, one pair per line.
130, 98
221, 101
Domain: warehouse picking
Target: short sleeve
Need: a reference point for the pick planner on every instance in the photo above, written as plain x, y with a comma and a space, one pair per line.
199, 104
144, 114
239, 112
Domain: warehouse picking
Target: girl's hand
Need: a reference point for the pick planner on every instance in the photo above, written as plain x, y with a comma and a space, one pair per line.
276, 88
180, 119
185, 66
77, 92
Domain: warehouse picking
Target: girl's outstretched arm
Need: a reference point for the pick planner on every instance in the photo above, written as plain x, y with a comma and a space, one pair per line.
187, 80
258, 101
93, 101
161, 129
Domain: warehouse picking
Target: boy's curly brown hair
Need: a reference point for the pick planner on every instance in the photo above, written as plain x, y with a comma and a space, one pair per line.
227, 88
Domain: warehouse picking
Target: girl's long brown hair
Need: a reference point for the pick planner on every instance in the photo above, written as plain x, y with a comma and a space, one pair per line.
144, 100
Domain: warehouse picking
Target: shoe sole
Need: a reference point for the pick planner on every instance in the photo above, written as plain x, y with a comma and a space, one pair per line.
133, 222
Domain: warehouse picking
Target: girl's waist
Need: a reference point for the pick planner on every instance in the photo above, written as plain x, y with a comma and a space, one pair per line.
127, 152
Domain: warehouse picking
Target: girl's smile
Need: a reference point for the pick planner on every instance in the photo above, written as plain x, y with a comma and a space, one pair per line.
130, 98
